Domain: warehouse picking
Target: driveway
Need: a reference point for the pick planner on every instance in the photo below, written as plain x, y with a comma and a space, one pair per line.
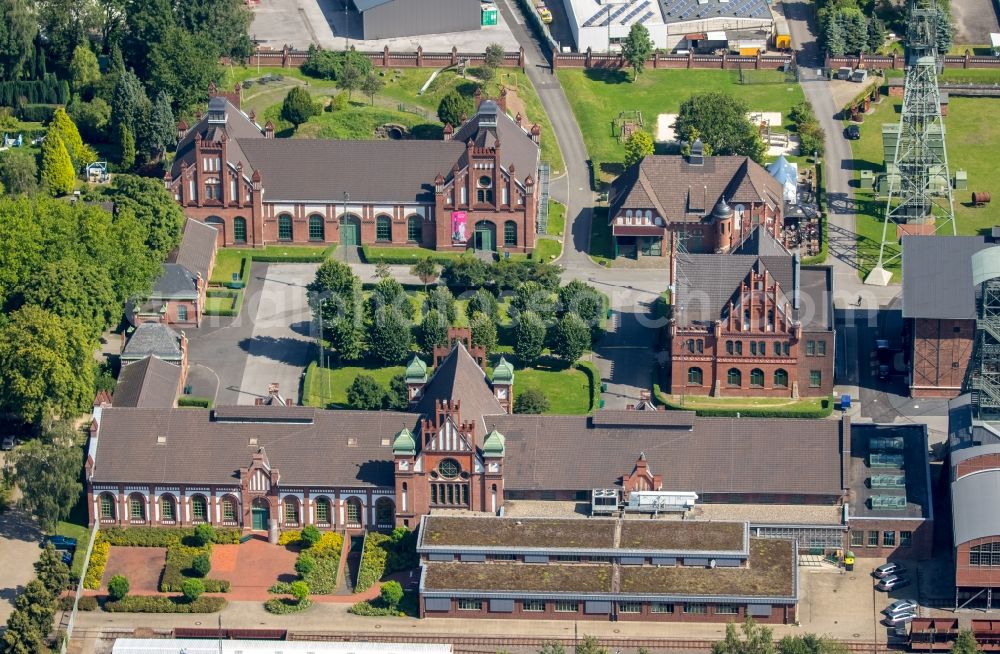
19, 538
235, 359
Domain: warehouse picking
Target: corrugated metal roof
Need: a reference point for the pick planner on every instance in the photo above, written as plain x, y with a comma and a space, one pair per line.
973, 506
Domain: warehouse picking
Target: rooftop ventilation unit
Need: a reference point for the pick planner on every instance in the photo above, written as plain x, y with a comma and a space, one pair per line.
888, 481
885, 444
660, 501
888, 502
876, 460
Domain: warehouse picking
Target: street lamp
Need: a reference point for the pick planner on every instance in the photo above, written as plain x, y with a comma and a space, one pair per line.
347, 29
612, 5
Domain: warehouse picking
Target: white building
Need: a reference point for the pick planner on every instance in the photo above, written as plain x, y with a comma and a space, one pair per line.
672, 24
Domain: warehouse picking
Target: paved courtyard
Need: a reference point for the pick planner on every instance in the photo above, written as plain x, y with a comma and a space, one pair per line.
323, 22
140, 565
19, 538
252, 567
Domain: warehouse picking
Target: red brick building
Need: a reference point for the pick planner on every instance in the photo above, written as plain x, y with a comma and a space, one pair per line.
475, 188
939, 310
751, 322
667, 204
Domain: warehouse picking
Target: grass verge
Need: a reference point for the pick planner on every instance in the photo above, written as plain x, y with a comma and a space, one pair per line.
323, 386
557, 219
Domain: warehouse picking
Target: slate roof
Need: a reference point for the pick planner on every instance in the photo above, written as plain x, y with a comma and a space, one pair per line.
238, 127
715, 455
681, 192
175, 282
937, 276
331, 448
516, 145
460, 378
153, 338
370, 171
707, 282
197, 248
151, 383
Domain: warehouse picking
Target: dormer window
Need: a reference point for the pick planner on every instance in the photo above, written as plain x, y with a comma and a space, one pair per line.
217, 111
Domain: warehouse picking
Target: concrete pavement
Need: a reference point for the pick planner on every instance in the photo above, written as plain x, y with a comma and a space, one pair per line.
19, 538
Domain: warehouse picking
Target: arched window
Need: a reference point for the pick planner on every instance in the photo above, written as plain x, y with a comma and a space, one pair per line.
757, 378
987, 554
168, 508
182, 312
701, 346
753, 348
137, 508
213, 189
199, 509
230, 509
107, 506
414, 229
786, 348
777, 348
484, 189
762, 348
383, 228
694, 376
690, 345
739, 347
239, 229
729, 347
354, 512
317, 230
510, 234
734, 377
770, 318
322, 511
290, 510
385, 512
781, 378
284, 227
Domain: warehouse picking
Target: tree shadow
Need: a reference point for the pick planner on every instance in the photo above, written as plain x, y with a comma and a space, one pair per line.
608, 75
467, 88
282, 349
427, 132
612, 168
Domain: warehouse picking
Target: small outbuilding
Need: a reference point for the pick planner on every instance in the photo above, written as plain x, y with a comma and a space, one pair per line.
383, 19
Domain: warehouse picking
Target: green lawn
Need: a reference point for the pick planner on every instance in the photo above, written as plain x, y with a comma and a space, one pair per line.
557, 219
230, 260
546, 249
976, 75
601, 250
597, 96
223, 302
568, 389
398, 102
973, 135
324, 386
405, 256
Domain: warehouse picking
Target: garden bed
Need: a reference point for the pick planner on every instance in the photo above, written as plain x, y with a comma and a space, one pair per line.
223, 302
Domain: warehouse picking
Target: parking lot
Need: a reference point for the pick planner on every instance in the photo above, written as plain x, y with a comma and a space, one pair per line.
19, 538
324, 22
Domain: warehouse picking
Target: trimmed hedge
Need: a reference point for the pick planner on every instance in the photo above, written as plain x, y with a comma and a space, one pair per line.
87, 603
368, 609
180, 559
594, 377
284, 606
191, 402
161, 604
761, 412
373, 561
406, 256
325, 553
98, 561
271, 258
163, 537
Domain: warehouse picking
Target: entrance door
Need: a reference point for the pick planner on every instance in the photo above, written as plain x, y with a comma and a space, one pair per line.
350, 231
484, 236
259, 517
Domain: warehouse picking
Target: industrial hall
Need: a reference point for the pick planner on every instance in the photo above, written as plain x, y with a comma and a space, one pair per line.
475, 188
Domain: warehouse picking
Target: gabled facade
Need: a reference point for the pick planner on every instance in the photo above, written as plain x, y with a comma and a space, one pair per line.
699, 204
752, 322
475, 188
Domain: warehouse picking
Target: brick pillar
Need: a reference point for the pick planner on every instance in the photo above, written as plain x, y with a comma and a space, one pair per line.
656, 59
385, 56
690, 60
968, 57
420, 56
520, 58
454, 56
588, 60
285, 60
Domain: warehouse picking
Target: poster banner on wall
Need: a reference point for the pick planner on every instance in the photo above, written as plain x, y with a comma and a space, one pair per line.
458, 219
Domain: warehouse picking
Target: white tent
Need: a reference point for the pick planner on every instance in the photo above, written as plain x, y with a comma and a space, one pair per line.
787, 175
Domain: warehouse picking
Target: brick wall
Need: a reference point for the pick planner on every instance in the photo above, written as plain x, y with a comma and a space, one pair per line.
921, 539
975, 576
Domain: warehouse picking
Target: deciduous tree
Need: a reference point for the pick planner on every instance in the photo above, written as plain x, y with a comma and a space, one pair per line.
484, 332
300, 591
371, 85
48, 475
391, 594
529, 337
365, 394
531, 400
452, 107
443, 300
51, 571
118, 587
965, 643
398, 396
637, 48
18, 172
433, 330
494, 55
426, 270
750, 639
192, 589
638, 145
483, 301
84, 69
390, 335
351, 77
721, 120
570, 338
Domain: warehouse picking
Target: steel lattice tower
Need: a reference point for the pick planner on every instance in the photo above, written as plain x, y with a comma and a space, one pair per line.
919, 180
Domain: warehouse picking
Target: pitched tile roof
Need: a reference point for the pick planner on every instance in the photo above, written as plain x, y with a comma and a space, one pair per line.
197, 248
238, 127
715, 455
460, 378
491, 126
175, 282
333, 448
153, 338
151, 383
681, 192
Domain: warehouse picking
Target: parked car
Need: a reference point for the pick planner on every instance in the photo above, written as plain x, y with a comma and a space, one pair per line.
61, 542
67, 557
853, 132
892, 583
890, 569
900, 606
545, 15
7, 444
899, 619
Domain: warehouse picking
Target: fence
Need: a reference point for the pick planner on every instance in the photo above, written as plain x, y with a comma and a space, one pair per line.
591, 59
897, 62
289, 58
